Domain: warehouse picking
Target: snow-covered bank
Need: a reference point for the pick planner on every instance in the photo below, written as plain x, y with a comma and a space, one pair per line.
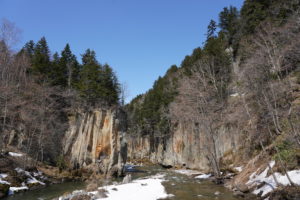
268, 182
147, 189
30, 179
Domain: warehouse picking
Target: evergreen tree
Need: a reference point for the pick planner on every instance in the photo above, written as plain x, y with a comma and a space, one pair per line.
90, 78
211, 29
110, 85
69, 67
252, 13
57, 73
41, 59
229, 23
29, 48
98, 84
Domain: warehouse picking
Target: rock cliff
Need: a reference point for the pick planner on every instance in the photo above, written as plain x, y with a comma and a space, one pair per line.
96, 140
185, 146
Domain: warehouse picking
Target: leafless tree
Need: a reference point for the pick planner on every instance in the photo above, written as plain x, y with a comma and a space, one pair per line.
200, 101
124, 93
274, 53
9, 33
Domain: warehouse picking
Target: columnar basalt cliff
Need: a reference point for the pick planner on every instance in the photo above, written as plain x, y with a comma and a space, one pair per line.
96, 139
187, 146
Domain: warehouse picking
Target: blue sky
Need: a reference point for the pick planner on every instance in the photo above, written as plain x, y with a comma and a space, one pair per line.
140, 39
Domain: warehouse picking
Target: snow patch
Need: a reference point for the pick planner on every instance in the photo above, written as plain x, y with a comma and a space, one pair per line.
12, 190
203, 176
2, 181
147, 189
33, 180
19, 170
234, 95
3, 175
187, 172
239, 169
15, 154
269, 182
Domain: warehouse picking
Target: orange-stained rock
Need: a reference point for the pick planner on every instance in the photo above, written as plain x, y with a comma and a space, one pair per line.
97, 139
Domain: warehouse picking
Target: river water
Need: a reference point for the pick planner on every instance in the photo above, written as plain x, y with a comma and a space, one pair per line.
181, 186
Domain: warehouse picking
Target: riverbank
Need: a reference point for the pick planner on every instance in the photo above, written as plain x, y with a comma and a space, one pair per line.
20, 173
155, 182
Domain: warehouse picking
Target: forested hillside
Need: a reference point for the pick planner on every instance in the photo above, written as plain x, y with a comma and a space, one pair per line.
39, 90
231, 98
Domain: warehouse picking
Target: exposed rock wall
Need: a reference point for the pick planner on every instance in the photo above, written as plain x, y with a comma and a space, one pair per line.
185, 147
97, 139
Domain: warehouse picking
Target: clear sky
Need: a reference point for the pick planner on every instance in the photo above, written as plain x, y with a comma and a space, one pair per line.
140, 39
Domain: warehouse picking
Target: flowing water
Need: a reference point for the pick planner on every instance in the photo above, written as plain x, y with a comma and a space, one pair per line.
184, 187
181, 186
49, 192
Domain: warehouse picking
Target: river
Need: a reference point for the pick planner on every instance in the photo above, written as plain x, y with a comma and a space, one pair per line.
182, 187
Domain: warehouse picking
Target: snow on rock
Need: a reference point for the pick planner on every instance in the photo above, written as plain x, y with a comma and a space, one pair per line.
12, 190
187, 172
19, 170
3, 175
147, 189
15, 154
203, 176
2, 181
33, 180
239, 169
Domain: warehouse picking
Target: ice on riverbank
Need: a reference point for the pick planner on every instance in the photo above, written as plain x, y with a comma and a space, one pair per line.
203, 176
147, 189
13, 190
187, 172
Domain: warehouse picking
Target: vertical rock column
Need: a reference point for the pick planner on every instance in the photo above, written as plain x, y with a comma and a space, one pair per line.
97, 140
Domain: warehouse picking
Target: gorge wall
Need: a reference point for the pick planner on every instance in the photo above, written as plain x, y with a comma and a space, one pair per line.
187, 145
96, 140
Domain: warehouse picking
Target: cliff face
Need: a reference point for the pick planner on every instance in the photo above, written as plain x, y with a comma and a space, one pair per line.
187, 145
97, 139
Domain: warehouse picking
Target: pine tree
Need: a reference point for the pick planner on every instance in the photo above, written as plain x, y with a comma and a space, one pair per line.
70, 67
98, 84
110, 85
229, 23
252, 13
29, 48
41, 65
57, 74
211, 29
90, 78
